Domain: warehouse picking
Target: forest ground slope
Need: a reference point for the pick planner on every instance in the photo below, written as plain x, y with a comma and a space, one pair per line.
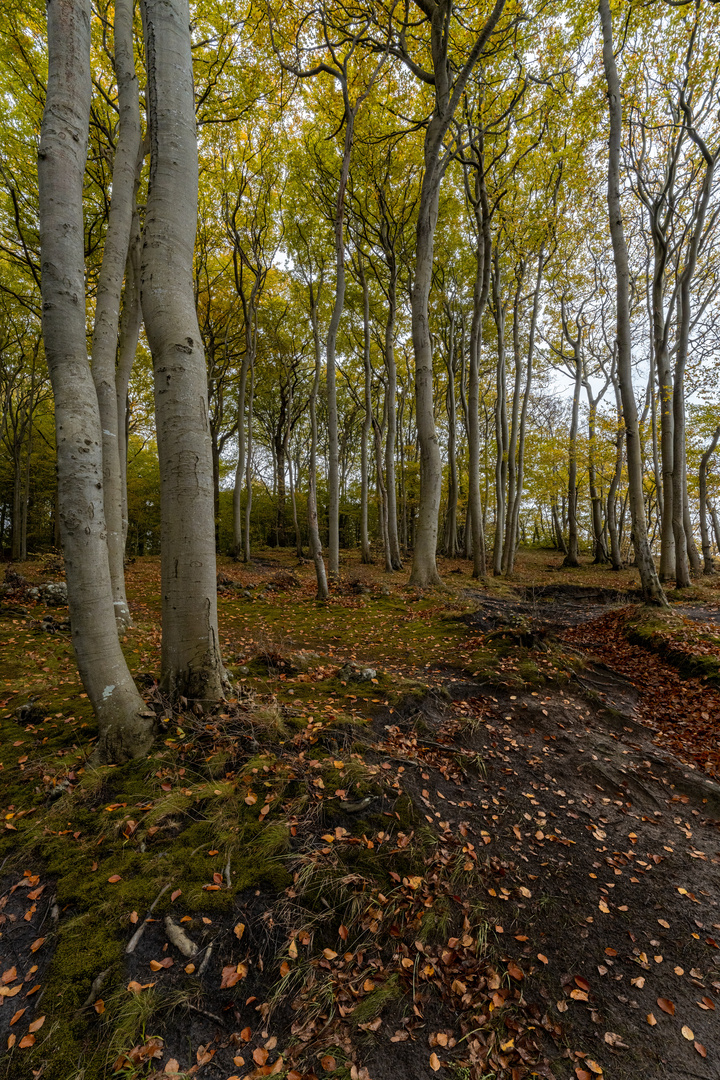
470, 832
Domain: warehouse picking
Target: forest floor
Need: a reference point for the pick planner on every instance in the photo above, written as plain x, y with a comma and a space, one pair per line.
470, 832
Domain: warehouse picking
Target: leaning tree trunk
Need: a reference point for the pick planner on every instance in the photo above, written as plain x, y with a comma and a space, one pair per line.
125, 726
650, 584
109, 291
191, 662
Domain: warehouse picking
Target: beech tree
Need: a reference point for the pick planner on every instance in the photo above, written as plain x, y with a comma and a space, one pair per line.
191, 661
125, 726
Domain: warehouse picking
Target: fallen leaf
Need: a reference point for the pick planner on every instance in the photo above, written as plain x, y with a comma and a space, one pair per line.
260, 1055
329, 954
36, 944
688, 1033
239, 930
328, 1063
435, 1062
174, 895
172, 1067
514, 971
666, 1005
542, 958
12, 1039
99, 1006
27, 1040
113, 878
133, 917
37, 1024
651, 1020
17, 1016
701, 1049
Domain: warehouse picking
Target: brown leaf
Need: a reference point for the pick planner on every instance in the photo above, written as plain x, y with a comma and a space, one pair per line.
688, 1033
435, 1062
8, 976
99, 1006
666, 1005
113, 878
174, 895
328, 1063
17, 1016
37, 1024
27, 1040
514, 971
36, 944
701, 1049
239, 930
651, 1020
260, 1055
246, 1034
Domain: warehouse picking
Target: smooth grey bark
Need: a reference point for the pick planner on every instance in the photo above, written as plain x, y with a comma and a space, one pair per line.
649, 581
447, 96
248, 467
365, 553
520, 476
477, 197
128, 336
451, 542
191, 661
125, 726
599, 551
559, 538
501, 421
715, 523
509, 538
313, 529
611, 505
391, 432
109, 291
708, 566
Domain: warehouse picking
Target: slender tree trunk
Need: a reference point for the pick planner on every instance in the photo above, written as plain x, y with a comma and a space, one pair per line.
481, 290
571, 559
708, 567
715, 524
559, 538
125, 726
109, 291
523, 415
451, 544
391, 433
365, 553
129, 333
509, 539
191, 662
501, 424
248, 468
650, 584
313, 529
240, 464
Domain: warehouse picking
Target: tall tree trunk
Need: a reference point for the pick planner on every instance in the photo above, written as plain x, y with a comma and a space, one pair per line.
501, 423
248, 467
451, 544
313, 528
708, 567
391, 433
129, 333
649, 582
109, 290
571, 559
191, 662
125, 726
509, 538
365, 553
481, 290
240, 464
715, 523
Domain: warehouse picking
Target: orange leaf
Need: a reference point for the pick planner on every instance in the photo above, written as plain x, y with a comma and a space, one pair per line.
435, 1062
99, 1006
12, 1039
514, 971
174, 895
260, 1055
328, 1063
17, 1016
36, 944
246, 1034
666, 1005
27, 1040
113, 878
37, 1024
701, 1049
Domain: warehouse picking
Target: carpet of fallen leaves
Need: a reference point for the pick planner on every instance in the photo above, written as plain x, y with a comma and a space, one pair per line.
684, 711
